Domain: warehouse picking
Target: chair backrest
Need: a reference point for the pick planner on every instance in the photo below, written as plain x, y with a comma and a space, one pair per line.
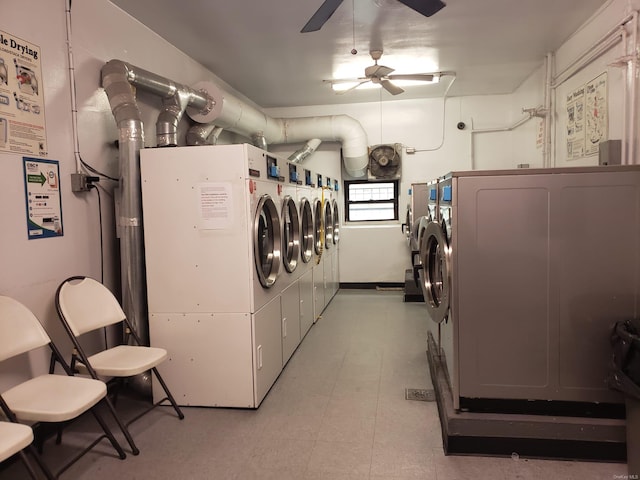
20, 330
87, 305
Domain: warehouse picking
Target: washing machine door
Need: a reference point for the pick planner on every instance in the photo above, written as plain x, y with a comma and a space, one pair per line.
317, 226
267, 241
306, 233
290, 234
435, 275
336, 223
328, 225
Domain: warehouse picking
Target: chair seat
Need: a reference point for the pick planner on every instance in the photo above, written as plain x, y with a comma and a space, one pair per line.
126, 360
54, 398
13, 438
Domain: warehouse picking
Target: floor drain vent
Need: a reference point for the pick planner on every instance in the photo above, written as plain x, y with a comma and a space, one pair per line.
420, 394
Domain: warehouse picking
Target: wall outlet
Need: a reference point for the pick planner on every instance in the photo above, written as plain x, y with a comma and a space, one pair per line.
81, 182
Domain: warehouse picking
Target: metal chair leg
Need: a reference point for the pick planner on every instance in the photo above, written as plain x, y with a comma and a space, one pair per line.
169, 396
41, 464
109, 434
123, 428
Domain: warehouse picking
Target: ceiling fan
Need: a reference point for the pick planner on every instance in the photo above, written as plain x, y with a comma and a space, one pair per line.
381, 74
328, 7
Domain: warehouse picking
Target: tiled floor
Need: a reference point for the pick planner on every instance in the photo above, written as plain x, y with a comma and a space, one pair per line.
337, 412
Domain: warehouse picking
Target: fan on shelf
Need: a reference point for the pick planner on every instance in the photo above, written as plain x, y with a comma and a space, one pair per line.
380, 74
385, 161
423, 7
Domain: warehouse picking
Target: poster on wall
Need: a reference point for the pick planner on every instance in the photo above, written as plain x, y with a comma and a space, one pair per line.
575, 124
22, 124
597, 124
42, 198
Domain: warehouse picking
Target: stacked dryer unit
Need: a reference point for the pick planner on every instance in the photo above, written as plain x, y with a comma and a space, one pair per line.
319, 246
213, 251
305, 193
335, 264
329, 247
290, 297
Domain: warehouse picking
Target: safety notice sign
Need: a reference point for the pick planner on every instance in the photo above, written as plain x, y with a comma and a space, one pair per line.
22, 120
42, 198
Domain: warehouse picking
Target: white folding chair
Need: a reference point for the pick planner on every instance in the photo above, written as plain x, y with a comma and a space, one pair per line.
85, 305
46, 398
14, 439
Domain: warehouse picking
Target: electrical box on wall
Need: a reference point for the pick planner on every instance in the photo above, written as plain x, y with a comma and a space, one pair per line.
610, 152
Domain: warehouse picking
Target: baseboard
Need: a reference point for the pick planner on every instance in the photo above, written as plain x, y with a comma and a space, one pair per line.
371, 285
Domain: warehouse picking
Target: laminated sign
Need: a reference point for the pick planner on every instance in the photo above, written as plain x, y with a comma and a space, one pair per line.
22, 125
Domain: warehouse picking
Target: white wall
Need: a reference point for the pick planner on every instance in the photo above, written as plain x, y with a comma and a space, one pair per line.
32, 270
378, 253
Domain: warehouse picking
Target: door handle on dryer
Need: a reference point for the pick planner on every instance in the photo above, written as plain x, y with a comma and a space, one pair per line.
259, 352
284, 327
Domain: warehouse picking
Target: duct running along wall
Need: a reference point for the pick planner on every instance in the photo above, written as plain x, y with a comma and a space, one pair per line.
206, 104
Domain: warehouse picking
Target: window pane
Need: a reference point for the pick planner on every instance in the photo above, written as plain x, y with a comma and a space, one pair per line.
375, 211
362, 192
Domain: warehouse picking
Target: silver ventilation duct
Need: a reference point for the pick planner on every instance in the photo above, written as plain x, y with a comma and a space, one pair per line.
117, 79
203, 134
300, 155
206, 104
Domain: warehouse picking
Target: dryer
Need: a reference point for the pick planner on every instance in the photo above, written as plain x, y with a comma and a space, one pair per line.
290, 297
335, 264
213, 248
525, 286
416, 209
305, 205
319, 246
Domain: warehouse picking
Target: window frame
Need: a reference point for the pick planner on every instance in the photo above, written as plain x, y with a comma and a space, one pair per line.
395, 200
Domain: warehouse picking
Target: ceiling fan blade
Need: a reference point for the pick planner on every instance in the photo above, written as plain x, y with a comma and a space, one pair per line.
424, 7
321, 16
342, 92
377, 71
421, 77
390, 87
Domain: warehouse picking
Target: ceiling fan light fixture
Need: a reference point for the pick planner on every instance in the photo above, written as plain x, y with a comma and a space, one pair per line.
340, 86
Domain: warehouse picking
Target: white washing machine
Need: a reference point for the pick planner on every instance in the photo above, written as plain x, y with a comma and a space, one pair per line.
213, 248
335, 275
329, 247
318, 246
305, 209
290, 297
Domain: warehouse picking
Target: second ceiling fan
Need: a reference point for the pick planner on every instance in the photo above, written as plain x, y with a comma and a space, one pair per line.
381, 74
423, 7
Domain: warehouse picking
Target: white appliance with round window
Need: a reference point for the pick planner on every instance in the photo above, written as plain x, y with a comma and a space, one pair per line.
213, 254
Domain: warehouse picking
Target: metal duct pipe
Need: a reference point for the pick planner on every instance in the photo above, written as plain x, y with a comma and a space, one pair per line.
167, 123
117, 80
259, 141
300, 155
237, 116
199, 134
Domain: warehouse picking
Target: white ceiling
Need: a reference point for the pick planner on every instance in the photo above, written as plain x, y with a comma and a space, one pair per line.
256, 45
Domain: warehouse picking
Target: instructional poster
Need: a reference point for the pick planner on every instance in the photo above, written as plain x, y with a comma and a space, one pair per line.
22, 124
42, 198
597, 121
575, 124
587, 118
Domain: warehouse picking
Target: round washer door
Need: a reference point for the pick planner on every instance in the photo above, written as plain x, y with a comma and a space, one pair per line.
267, 241
328, 225
306, 233
436, 275
290, 234
317, 226
336, 223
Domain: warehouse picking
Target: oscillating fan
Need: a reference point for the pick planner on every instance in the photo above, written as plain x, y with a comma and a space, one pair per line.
385, 161
423, 7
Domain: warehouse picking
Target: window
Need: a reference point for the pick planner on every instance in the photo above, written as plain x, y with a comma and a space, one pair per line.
366, 201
